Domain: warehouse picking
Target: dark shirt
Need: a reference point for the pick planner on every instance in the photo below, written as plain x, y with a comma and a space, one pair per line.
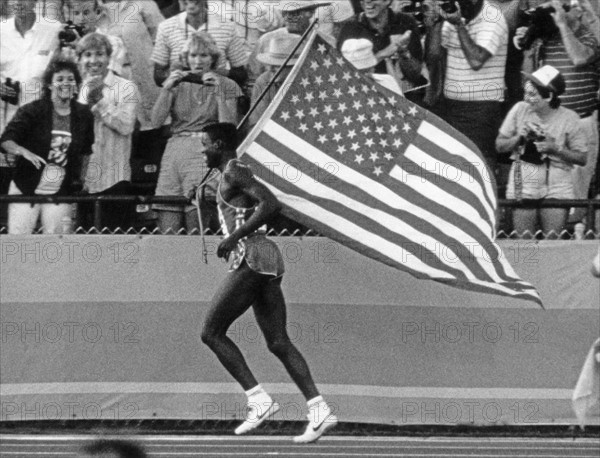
31, 128
398, 24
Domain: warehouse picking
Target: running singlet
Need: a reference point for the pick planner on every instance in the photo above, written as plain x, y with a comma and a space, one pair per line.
261, 254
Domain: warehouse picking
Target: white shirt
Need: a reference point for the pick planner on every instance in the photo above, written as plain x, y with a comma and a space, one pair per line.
114, 120
24, 59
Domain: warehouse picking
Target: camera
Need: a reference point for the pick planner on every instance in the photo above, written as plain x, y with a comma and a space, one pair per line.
70, 33
539, 24
15, 86
448, 6
417, 10
534, 134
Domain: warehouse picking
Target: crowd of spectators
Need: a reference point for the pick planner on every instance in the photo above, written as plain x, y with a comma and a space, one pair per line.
128, 85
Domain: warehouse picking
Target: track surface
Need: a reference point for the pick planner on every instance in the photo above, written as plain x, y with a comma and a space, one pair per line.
31, 446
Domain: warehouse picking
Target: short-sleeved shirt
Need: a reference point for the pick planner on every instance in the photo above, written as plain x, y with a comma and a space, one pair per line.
195, 105
582, 83
174, 32
489, 31
564, 126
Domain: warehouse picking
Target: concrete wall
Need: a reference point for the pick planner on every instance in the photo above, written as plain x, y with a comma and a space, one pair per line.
108, 326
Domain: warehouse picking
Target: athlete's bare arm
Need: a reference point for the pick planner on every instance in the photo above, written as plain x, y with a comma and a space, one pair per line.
240, 188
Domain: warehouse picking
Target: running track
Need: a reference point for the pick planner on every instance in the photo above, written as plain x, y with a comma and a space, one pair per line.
31, 446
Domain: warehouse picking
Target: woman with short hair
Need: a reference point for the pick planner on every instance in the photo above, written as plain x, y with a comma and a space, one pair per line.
49, 137
194, 98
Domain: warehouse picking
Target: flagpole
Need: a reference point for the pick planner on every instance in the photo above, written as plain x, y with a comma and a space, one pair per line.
264, 93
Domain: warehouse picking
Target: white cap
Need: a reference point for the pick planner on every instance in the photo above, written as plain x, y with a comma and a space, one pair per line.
359, 52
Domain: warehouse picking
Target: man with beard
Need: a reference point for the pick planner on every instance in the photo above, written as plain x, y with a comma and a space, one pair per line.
254, 280
475, 36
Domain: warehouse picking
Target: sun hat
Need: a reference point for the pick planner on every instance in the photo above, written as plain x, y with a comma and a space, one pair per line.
359, 52
548, 77
279, 49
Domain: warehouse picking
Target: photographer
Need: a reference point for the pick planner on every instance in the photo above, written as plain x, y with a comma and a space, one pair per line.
546, 141
574, 50
475, 37
193, 99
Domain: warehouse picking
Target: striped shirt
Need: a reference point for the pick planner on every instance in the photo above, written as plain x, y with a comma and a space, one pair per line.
582, 82
174, 32
489, 31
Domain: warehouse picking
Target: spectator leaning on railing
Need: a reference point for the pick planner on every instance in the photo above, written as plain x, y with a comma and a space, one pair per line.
49, 138
546, 140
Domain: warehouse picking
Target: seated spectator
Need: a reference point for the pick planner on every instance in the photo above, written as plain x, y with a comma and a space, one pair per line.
175, 32
394, 36
279, 50
49, 137
113, 101
194, 99
359, 52
546, 140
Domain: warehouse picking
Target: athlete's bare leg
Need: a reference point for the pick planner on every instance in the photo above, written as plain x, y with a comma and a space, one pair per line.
270, 313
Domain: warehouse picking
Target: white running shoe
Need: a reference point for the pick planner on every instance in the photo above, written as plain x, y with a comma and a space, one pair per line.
257, 413
317, 425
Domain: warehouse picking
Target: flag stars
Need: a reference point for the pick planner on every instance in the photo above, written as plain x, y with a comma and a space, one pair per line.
340, 61
376, 117
299, 114
333, 123
383, 142
318, 125
341, 149
347, 120
406, 127
295, 99
322, 139
359, 158
392, 101
337, 93
303, 127
321, 48
361, 118
377, 171
342, 107
412, 111
393, 129
351, 134
314, 112
365, 130
388, 156
352, 90
389, 115
374, 157
314, 65
322, 95
333, 78
285, 115
346, 77
309, 97
337, 137
319, 80
356, 147
327, 63
357, 105
369, 142
305, 82
365, 88
379, 130
327, 109
397, 143
371, 102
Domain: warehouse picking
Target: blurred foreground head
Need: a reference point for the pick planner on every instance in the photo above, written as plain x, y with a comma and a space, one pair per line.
113, 448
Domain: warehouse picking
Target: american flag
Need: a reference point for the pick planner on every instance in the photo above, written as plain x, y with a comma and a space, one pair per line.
366, 167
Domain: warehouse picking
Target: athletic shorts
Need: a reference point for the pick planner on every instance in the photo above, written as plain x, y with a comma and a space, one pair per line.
261, 254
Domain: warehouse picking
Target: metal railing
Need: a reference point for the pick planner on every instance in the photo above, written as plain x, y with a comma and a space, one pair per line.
592, 205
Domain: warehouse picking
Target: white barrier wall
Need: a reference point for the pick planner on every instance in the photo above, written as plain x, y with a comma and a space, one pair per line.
109, 327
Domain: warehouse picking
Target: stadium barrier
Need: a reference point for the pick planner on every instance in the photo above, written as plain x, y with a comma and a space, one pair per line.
108, 327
